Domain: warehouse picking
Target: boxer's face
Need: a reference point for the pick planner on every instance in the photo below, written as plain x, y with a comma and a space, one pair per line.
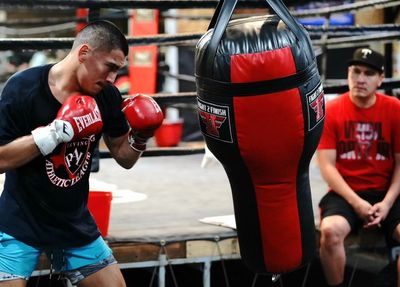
363, 81
99, 68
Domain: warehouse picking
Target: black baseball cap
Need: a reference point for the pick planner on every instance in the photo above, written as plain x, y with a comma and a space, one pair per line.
368, 57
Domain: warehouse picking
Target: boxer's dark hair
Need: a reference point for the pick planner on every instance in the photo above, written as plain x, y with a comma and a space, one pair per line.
102, 34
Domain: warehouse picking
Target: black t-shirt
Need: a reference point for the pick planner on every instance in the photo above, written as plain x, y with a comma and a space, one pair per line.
44, 202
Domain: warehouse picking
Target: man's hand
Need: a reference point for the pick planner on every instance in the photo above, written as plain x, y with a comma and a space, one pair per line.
78, 117
377, 214
362, 209
144, 116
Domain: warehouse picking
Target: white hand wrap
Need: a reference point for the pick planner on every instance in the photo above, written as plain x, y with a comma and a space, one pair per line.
49, 137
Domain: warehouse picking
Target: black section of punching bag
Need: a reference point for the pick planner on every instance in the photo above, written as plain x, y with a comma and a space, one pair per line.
304, 199
227, 151
256, 34
213, 55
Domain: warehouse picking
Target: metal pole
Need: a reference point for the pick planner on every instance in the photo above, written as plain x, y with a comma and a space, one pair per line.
161, 271
207, 274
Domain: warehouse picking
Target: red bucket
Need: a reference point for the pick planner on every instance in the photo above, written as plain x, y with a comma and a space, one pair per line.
99, 204
169, 134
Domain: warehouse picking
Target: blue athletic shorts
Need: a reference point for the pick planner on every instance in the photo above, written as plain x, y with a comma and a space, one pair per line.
18, 260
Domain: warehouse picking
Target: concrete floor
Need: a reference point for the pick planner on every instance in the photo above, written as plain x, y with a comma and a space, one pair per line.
167, 195
171, 192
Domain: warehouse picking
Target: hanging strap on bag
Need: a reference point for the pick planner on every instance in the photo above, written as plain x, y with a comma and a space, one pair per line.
223, 14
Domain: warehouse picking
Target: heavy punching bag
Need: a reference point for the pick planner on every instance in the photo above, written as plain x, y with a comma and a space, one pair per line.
261, 111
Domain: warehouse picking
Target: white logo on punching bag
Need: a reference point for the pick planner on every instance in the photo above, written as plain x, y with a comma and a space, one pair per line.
316, 106
215, 120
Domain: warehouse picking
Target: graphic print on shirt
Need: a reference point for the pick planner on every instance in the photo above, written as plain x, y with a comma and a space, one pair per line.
363, 140
69, 166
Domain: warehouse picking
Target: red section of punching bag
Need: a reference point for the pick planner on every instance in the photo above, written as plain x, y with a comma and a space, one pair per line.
270, 134
267, 65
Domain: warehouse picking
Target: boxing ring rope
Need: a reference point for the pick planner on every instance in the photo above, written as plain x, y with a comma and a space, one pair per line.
343, 42
186, 39
123, 4
38, 30
314, 31
368, 4
350, 31
190, 4
124, 15
66, 42
377, 4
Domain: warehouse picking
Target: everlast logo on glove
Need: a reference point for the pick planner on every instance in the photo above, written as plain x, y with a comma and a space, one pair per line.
215, 121
82, 122
83, 114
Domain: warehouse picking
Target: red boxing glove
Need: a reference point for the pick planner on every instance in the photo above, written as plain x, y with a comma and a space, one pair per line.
78, 117
83, 114
144, 116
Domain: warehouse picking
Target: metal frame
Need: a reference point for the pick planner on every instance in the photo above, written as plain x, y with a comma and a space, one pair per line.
163, 261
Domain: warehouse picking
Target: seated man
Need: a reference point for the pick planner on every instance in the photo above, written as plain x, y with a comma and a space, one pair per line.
359, 158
